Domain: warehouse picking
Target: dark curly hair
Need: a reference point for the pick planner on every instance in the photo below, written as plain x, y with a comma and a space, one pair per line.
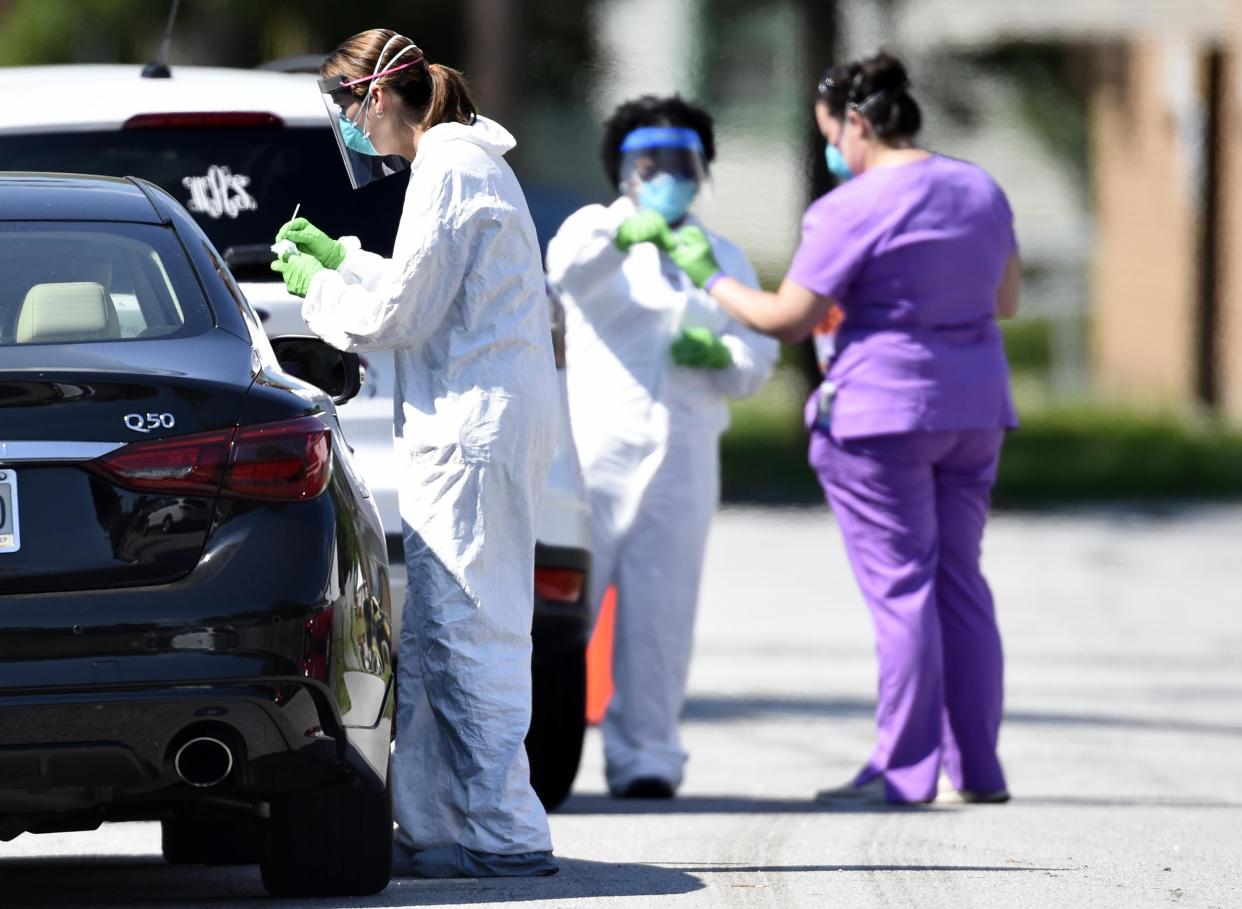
650, 110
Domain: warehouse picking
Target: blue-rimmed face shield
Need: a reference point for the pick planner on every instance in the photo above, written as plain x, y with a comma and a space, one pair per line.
663, 168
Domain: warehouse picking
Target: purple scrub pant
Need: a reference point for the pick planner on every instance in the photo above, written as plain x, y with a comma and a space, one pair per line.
912, 508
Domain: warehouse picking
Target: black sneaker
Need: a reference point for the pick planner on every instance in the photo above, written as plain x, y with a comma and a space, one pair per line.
645, 787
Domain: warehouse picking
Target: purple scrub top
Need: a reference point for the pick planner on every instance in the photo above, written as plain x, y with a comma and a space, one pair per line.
915, 254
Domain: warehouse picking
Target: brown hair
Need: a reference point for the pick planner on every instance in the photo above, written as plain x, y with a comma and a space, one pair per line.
433, 93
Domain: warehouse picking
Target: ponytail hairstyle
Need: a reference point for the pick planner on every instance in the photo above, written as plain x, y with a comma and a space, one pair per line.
879, 90
431, 92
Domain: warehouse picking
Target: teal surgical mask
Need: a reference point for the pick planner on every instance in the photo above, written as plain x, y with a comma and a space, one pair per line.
355, 138
670, 196
836, 164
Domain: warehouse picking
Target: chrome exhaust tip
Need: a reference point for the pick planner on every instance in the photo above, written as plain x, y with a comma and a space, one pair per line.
203, 761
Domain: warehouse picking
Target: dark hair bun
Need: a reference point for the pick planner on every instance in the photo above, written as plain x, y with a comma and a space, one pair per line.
887, 73
880, 91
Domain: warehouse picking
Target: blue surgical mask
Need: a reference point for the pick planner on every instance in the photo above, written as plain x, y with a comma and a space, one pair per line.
355, 138
670, 196
836, 164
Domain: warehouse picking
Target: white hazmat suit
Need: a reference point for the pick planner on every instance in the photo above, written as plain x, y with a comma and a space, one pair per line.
648, 433
463, 305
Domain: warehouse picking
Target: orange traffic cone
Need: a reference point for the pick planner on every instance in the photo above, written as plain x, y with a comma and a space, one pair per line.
599, 660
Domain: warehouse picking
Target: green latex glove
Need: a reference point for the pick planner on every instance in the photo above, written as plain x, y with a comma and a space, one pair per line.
644, 227
698, 348
693, 254
312, 241
297, 270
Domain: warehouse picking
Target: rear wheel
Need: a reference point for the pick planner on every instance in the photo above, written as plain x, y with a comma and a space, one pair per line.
203, 835
330, 842
558, 725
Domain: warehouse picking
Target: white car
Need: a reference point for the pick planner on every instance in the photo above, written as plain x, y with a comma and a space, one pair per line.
241, 149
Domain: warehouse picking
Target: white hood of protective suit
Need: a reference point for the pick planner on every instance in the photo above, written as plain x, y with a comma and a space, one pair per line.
486, 134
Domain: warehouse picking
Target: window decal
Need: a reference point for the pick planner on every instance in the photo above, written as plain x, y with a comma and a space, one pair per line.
221, 192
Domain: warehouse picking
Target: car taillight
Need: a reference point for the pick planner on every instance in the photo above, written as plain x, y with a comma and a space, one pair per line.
290, 461
189, 465
280, 462
203, 119
559, 585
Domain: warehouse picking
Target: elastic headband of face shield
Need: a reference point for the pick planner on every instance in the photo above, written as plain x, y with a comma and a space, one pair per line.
867, 103
335, 84
675, 150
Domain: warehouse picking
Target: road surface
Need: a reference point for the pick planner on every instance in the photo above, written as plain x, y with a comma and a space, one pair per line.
1123, 745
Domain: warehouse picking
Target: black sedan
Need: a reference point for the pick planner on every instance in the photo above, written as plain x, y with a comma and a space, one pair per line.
194, 607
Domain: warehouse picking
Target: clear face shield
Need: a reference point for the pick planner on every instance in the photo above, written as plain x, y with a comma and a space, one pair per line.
350, 117
663, 169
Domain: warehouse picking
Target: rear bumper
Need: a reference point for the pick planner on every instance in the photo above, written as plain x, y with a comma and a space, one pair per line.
72, 749
279, 641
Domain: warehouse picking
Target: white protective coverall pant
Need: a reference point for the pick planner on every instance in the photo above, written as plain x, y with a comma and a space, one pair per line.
647, 433
462, 303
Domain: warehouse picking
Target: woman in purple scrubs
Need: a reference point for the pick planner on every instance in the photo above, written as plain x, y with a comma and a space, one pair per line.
919, 251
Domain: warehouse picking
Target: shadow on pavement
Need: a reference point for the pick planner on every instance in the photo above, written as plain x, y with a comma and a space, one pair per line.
818, 869
598, 804
724, 709
107, 881
1125, 801
727, 804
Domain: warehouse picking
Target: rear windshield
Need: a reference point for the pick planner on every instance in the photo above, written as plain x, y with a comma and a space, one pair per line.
73, 283
239, 184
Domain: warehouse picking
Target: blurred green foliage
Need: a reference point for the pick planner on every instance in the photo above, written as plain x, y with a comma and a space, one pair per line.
1050, 93
554, 40
1028, 345
1064, 452
216, 32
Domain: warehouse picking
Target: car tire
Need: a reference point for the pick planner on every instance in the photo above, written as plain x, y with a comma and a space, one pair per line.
334, 841
557, 726
211, 837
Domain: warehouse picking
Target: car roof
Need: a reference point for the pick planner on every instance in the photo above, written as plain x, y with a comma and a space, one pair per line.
104, 96
70, 197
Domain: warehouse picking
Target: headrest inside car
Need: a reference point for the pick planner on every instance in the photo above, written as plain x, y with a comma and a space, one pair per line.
66, 313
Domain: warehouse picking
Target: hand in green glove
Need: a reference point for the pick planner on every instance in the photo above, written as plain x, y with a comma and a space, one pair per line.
692, 252
312, 241
698, 348
297, 270
644, 227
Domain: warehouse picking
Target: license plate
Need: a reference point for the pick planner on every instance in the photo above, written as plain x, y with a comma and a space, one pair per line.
10, 531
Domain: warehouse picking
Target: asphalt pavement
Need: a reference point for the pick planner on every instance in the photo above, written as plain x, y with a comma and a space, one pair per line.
1122, 742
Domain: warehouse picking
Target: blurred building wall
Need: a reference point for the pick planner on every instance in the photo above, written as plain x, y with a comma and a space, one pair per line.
1230, 324
1166, 176
1146, 168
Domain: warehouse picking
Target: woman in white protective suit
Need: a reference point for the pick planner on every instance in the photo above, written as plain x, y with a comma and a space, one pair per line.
650, 361
463, 305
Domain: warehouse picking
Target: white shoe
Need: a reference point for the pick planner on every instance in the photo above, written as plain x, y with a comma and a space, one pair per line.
950, 796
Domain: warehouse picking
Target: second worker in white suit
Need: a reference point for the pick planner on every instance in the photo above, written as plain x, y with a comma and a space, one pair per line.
650, 362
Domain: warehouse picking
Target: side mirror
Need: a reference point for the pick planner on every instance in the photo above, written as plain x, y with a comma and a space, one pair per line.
315, 361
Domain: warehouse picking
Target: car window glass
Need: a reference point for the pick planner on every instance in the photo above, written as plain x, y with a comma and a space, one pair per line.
240, 185
80, 283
